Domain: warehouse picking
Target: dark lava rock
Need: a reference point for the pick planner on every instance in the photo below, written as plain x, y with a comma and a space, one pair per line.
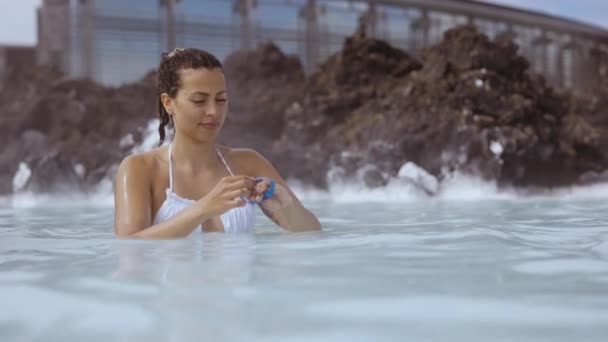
473, 107
262, 84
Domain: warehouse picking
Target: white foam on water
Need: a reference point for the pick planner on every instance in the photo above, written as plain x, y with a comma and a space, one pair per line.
21, 176
150, 139
456, 187
31, 200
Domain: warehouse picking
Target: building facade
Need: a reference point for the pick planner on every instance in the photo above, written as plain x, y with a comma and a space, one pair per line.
116, 41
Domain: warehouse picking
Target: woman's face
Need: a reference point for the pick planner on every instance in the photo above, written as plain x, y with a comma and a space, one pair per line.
200, 105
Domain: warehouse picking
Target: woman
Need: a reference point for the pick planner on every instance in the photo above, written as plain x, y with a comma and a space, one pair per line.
193, 184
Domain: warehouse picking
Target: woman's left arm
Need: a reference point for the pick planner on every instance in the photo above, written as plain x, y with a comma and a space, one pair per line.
283, 208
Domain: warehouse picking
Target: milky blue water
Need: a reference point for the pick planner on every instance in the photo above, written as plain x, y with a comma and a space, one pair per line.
422, 270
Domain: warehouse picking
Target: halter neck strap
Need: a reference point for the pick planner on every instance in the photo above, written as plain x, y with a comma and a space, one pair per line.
224, 161
170, 168
171, 165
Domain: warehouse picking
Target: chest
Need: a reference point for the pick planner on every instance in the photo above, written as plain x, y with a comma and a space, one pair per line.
187, 186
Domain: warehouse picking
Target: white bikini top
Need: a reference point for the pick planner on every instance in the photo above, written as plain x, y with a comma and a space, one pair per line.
239, 219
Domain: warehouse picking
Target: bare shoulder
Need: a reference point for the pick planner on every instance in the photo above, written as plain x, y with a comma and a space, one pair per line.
246, 159
247, 154
142, 164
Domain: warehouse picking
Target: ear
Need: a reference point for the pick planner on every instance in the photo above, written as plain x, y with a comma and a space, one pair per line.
167, 102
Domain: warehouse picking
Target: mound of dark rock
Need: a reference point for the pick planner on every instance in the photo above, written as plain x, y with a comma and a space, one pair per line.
473, 107
364, 71
262, 83
69, 132
592, 104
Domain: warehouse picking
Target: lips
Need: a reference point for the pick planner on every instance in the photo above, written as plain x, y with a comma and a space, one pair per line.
209, 125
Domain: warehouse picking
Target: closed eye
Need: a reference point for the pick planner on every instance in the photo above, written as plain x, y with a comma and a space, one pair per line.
203, 101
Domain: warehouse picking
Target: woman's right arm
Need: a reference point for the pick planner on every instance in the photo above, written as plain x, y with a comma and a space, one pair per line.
133, 203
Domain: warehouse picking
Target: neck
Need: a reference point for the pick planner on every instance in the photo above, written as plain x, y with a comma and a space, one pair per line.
194, 156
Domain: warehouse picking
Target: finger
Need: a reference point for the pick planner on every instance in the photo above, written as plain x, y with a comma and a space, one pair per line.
242, 192
232, 179
237, 202
240, 183
252, 196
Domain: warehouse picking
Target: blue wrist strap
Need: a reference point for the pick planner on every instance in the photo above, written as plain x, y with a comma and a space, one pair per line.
270, 191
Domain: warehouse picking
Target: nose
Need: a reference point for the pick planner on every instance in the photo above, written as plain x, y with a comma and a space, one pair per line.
211, 109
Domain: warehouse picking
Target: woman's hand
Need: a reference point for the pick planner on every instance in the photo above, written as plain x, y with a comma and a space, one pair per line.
228, 193
261, 186
279, 199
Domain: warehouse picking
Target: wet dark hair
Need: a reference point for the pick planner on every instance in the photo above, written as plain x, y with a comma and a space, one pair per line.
169, 78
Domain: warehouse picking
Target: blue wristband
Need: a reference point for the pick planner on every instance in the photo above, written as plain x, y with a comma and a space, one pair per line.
270, 191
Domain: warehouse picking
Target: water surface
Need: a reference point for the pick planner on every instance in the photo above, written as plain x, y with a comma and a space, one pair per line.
445, 270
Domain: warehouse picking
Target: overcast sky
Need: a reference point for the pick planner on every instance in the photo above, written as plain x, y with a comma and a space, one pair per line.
18, 18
